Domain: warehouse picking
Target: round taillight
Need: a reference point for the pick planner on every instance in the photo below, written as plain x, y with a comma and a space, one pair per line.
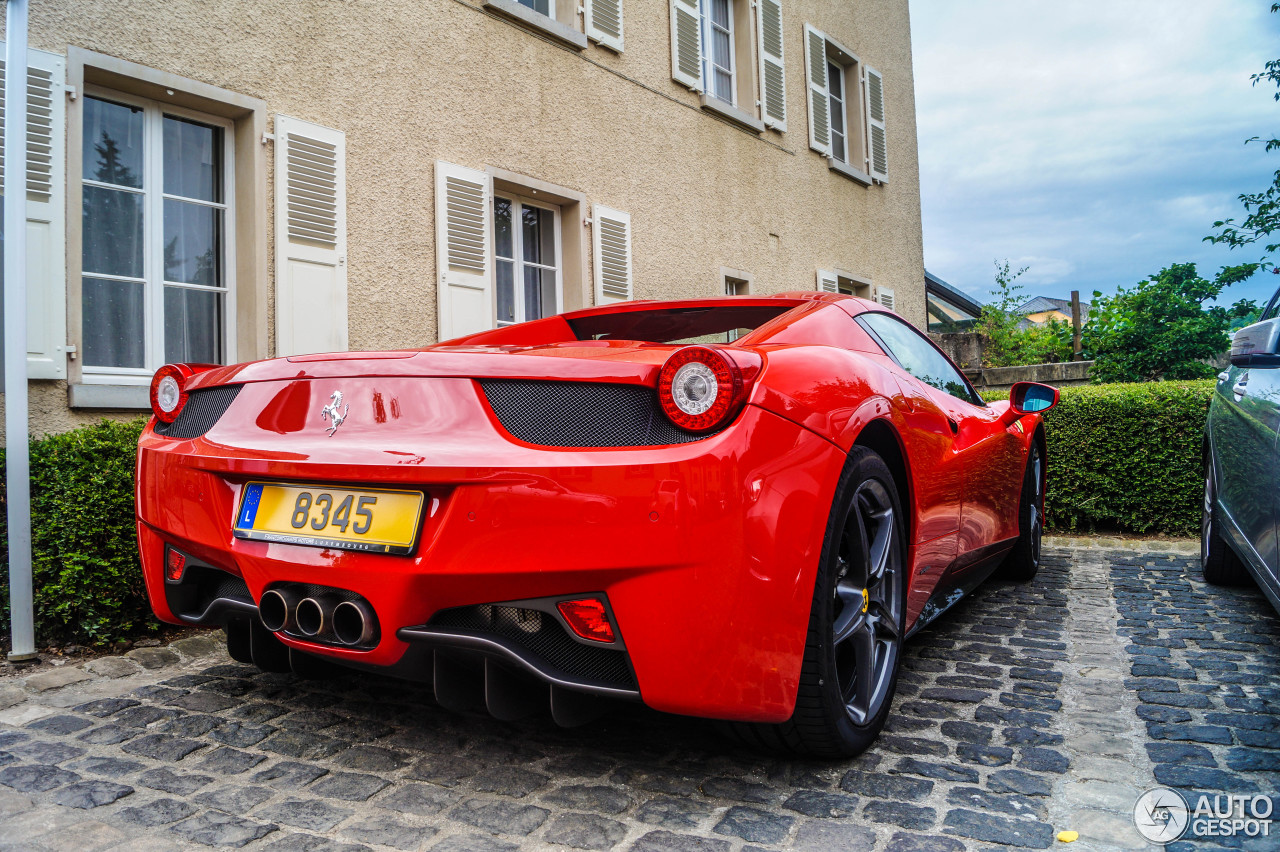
699, 389
168, 392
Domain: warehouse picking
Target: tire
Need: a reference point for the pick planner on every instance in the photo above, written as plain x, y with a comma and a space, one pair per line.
1219, 563
860, 592
1023, 562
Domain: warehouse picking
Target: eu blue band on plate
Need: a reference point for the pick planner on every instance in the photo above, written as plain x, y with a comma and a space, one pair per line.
249, 506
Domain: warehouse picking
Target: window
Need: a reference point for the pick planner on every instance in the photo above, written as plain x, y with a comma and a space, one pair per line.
736, 282
721, 323
544, 7
717, 48
155, 236
831, 281
846, 109
917, 355
526, 248
839, 130
731, 51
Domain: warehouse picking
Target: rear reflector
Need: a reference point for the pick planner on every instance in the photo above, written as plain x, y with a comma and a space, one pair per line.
174, 563
588, 619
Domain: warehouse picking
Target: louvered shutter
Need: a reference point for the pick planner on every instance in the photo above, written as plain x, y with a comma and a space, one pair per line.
877, 150
464, 213
773, 84
611, 247
828, 281
686, 44
885, 297
602, 20
815, 63
311, 238
46, 213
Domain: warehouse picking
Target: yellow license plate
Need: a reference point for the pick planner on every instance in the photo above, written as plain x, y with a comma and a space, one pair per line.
369, 519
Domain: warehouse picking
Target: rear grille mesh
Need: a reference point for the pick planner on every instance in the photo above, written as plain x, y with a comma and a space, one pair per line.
582, 414
204, 408
542, 635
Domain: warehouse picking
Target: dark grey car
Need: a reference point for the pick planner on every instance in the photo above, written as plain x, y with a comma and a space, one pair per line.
1240, 530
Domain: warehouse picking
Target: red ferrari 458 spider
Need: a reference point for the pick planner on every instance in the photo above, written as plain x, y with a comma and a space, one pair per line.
733, 508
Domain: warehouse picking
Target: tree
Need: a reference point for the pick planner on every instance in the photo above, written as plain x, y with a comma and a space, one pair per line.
1160, 328
1262, 222
1004, 343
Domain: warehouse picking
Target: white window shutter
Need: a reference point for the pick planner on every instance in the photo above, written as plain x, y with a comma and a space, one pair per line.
815, 64
877, 142
885, 297
686, 44
611, 247
773, 84
602, 20
828, 281
464, 234
311, 238
46, 213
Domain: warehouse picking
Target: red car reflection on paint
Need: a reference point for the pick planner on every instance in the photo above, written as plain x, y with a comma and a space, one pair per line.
733, 508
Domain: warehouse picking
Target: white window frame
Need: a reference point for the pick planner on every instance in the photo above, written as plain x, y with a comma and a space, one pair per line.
154, 197
843, 100
518, 203
705, 25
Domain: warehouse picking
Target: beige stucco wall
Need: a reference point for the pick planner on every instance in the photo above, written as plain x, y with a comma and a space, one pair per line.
413, 81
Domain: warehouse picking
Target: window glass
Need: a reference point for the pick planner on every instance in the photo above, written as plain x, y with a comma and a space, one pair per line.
192, 155
918, 356
114, 334
113, 144
1272, 310
542, 6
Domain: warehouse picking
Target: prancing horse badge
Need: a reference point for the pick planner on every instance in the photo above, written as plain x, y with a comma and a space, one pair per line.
335, 412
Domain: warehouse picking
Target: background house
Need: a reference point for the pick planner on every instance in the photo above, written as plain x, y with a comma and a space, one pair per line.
239, 180
1041, 309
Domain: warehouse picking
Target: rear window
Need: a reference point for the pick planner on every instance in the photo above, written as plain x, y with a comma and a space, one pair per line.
710, 324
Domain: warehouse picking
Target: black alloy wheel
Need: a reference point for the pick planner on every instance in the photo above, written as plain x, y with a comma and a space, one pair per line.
1218, 562
866, 633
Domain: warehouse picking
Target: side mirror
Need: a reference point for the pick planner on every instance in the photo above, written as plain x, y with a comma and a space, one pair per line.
1029, 398
1257, 345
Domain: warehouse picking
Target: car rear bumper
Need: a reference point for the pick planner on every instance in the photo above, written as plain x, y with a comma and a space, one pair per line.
705, 551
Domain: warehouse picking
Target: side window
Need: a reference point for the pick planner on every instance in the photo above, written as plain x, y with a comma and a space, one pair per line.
1272, 310
917, 355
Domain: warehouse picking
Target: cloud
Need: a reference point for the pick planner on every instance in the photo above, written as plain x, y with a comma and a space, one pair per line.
1093, 142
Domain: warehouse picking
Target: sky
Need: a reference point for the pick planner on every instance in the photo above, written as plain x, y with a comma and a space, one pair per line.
1093, 142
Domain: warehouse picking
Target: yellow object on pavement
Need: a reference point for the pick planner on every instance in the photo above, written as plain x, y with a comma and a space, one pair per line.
1068, 836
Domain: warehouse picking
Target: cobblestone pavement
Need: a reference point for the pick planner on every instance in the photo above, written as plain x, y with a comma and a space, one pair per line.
1025, 711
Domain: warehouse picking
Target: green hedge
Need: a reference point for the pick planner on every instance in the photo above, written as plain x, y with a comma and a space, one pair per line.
1127, 457
88, 583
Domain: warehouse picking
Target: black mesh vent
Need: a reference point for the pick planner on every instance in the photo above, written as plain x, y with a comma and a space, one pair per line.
582, 414
203, 409
541, 635
202, 585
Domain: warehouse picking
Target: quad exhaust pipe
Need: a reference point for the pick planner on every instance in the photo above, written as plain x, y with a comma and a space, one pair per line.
322, 616
278, 610
354, 623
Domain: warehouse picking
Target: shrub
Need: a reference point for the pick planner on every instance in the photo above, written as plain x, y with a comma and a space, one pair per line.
1127, 456
88, 583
